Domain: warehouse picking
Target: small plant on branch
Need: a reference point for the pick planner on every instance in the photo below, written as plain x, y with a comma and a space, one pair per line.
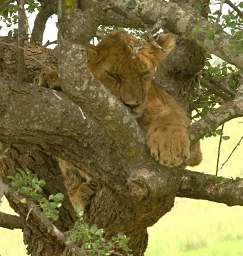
29, 185
93, 242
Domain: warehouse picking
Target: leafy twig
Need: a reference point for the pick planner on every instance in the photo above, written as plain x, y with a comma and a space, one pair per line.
234, 7
36, 212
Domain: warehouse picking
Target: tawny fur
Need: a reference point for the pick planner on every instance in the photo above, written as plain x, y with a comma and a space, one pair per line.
127, 65
78, 184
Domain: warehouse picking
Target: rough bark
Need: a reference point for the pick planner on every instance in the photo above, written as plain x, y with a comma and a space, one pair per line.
207, 187
36, 59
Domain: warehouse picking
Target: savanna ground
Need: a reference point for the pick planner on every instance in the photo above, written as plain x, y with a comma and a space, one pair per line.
207, 229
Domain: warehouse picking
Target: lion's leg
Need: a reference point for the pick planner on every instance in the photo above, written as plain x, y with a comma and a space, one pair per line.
168, 143
166, 126
79, 185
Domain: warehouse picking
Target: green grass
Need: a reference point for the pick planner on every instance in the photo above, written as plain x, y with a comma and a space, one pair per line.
198, 228
222, 248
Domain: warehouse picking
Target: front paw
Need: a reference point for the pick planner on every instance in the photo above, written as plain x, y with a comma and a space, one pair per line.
169, 146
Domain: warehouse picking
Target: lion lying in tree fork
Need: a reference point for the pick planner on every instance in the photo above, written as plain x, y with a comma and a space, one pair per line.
126, 65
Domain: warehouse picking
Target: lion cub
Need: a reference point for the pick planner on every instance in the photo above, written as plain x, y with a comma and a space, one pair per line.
126, 65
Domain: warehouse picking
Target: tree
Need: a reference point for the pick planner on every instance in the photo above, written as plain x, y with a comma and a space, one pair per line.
39, 125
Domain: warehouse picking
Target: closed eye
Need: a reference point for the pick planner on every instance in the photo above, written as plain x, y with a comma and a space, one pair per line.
114, 76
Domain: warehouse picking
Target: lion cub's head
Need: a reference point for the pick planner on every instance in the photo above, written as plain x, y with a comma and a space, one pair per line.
127, 65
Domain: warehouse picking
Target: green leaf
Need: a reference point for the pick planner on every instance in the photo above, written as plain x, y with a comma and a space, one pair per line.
93, 229
225, 137
58, 197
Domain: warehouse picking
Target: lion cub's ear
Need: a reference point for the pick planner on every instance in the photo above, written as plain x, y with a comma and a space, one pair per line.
95, 54
167, 42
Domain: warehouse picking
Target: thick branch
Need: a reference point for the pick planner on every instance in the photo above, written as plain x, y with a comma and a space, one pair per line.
21, 40
47, 9
49, 119
209, 187
94, 91
169, 15
10, 221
